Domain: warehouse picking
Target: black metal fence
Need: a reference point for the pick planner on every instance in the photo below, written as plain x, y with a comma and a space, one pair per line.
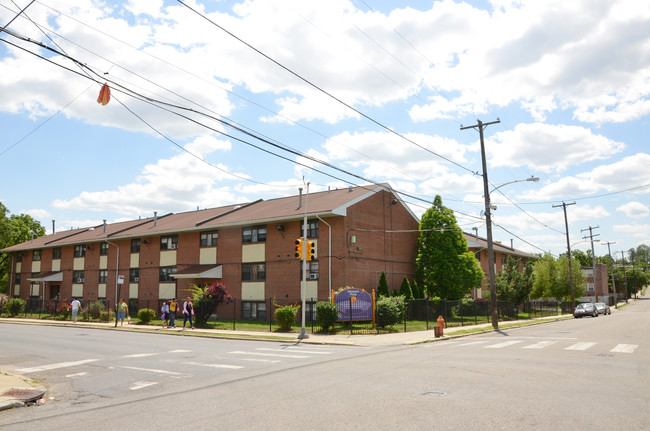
419, 315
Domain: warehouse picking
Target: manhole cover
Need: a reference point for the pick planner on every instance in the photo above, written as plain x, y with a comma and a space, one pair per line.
433, 394
25, 395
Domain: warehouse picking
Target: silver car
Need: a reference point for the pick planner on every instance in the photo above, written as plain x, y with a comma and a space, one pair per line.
602, 308
585, 309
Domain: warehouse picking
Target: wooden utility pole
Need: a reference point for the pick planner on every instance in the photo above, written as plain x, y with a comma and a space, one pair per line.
609, 251
568, 248
593, 254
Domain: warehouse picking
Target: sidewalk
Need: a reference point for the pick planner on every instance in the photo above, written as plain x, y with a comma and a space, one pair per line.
17, 391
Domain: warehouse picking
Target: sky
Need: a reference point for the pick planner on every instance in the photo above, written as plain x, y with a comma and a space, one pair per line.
222, 102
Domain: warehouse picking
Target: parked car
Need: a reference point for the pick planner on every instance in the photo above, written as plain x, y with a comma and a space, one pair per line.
585, 309
602, 308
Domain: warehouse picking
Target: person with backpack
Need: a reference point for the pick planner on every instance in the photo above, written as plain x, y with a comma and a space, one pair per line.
164, 313
173, 306
188, 312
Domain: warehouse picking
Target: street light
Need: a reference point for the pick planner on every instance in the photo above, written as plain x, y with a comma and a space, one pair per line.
488, 223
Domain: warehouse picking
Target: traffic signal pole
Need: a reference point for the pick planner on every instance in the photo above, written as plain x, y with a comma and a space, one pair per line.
303, 284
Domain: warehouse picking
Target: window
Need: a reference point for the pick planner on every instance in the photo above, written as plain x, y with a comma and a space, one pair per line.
103, 275
478, 255
18, 278
209, 239
36, 255
19, 256
79, 251
103, 249
312, 270
253, 272
253, 310
312, 228
590, 287
166, 272
169, 242
77, 276
135, 245
254, 234
56, 253
134, 275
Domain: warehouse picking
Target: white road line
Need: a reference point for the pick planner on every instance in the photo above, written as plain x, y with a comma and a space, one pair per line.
179, 351
580, 346
473, 343
140, 355
315, 352
238, 352
501, 345
268, 361
56, 366
151, 370
199, 364
76, 375
540, 345
140, 385
624, 348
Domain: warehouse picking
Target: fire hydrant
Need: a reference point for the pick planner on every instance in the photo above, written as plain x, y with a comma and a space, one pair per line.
441, 325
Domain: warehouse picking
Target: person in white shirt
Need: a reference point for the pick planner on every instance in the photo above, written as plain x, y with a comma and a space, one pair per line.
76, 306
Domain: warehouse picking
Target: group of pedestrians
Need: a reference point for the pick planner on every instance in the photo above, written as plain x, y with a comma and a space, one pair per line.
170, 308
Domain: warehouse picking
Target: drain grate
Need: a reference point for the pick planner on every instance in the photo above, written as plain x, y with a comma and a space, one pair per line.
433, 394
24, 395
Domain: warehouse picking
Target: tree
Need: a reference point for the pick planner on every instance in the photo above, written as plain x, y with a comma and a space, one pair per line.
444, 264
513, 284
583, 258
14, 229
382, 289
551, 278
405, 289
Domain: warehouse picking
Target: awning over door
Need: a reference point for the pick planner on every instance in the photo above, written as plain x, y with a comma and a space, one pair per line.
47, 276
199, 271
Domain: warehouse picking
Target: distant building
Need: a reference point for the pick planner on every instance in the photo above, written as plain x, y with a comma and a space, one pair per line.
597, 288
359, 233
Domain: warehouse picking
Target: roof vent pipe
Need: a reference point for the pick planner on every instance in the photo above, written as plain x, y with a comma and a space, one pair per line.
155, 218
104, 225
512, 244
299, 197
53, 230
32, 233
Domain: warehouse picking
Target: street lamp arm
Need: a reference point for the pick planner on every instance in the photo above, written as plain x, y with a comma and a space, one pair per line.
533, 179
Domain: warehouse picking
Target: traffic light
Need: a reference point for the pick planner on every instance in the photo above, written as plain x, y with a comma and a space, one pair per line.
311, 250
299, 248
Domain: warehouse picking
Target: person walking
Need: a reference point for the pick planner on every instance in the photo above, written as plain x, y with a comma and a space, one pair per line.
173, 306
188, 312
76, 306
164, 313
122, 308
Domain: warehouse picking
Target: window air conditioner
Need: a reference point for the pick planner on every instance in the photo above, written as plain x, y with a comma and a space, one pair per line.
313, 276
172, 246
136, 279
79, 280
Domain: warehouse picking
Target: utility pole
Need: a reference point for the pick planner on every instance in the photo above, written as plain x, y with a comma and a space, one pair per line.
624, 273
609, 251
568, 248
593, 255
480, 126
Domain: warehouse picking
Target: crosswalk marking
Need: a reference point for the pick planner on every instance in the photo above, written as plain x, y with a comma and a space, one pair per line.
501, 345
231, 367
56, 366
140, 385
151, 370
624, 348
268, 361
239, 352
580, 346
315, 352
540, 345
471, 343
140, 355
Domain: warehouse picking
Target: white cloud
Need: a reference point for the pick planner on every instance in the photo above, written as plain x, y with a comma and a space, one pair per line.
635, 210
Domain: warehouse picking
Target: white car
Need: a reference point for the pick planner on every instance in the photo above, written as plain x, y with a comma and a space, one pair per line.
602, 308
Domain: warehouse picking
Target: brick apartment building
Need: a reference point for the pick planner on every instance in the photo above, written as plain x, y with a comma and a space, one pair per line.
359, 233
597, 287
478, 245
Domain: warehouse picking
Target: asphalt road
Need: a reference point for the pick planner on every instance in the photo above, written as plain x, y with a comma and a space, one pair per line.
572, 374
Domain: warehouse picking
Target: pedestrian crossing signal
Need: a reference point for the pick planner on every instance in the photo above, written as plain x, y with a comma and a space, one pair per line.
311, 250
299, 246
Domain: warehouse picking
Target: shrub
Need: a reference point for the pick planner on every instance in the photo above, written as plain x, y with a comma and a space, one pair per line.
106, 316
59, 309
146, 315
390, 311
285, 316
15, 306
382, 289
326, 315
207, 299
95, 309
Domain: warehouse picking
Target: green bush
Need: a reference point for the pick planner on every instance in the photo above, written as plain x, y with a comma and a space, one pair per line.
286, 316
390, 311
15, 306
95, 309
326, 315
146, 315
106, 316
